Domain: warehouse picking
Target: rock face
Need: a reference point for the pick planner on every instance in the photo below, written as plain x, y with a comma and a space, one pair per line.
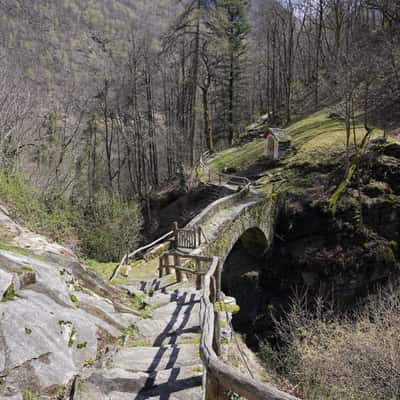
54, 319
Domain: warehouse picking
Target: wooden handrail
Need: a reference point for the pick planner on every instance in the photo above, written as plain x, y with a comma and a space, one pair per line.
126, 257
218, 374
219, 377
221, 175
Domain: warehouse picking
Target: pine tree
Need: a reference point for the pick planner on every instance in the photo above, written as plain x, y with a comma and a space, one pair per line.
235, 26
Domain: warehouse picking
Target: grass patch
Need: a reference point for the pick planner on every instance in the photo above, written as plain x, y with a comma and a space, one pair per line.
239, 157
74, 299
71, 339
104, 269
317, 140
81, 345
137, 301
129, 337
9, 294
28, 395
88, 363
17, 250
194, 340
231, 308
136, 343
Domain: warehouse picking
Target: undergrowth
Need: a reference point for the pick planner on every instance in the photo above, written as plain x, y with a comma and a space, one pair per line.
102, 230
341, 356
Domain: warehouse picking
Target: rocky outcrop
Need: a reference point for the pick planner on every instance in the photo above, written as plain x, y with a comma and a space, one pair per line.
55, 317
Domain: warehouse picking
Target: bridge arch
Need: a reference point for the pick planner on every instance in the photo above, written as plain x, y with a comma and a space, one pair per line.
248, 235
241, 274
253, 226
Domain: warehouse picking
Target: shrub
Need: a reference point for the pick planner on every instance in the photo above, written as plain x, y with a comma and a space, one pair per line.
112, 228
27, 206
104, 230
353, 356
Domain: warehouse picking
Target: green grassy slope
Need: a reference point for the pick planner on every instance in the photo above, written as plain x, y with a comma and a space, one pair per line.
315, 139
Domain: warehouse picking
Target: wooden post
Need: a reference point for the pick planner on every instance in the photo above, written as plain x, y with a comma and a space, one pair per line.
217, 323
212, 388
199, 236
160, 266
198, 276
179, 277
176, 230
166, 264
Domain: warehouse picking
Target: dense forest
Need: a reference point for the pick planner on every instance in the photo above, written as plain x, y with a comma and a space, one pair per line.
114, 101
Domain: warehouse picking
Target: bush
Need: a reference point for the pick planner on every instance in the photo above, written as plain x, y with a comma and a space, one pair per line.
27, 206
112, 228
103, 231
343, 357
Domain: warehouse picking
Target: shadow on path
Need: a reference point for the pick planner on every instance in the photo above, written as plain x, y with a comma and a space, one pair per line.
173, 385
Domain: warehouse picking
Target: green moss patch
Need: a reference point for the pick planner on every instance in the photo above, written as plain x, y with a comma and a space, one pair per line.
72, 336
28, 395
88, 363
74, 299
9, 294
231, 308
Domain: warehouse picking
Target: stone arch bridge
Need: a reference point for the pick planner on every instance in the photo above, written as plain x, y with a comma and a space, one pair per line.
178, 355
247, 216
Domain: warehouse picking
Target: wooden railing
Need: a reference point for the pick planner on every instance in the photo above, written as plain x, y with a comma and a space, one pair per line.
220, 378
220, 177
142, 250
188, 238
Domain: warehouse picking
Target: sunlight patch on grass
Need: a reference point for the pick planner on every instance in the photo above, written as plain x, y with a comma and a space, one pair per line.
239, 157
315, 139
318, 138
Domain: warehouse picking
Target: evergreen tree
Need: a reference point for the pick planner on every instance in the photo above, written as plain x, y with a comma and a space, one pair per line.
235, 26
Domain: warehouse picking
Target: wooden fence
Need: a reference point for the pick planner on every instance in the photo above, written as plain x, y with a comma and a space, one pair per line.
221, 177
188, 238
220, 378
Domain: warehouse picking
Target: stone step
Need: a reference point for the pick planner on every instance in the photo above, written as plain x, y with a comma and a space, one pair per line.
182, 383
150, 359
179, 295
170, 321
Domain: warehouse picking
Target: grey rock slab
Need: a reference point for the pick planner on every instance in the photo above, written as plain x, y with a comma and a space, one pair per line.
40, 337
150, 359
117, 384
105, 310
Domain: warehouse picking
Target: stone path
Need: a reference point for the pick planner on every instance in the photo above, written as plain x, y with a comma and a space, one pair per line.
162, 362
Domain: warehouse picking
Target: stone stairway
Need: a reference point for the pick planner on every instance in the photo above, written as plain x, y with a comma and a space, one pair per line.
161, 358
